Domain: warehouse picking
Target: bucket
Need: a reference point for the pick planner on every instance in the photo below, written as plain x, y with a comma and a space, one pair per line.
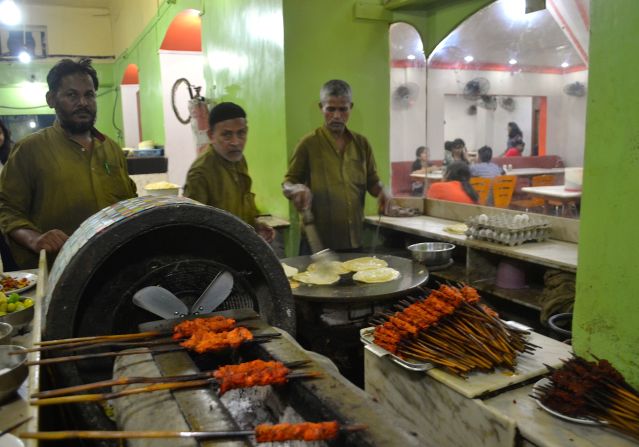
561, 325
511, 275
573, 179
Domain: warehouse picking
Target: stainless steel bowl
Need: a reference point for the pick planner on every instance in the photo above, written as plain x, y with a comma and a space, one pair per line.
432, 253
19, 319
5, 333
13, 371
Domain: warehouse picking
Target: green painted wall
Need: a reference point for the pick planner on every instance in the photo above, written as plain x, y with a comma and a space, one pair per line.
143, 52
605, 316
18, 96
243, 44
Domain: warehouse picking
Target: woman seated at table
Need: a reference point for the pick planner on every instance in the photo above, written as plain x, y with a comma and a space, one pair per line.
516, 151
457, 152
456, 186
422, 165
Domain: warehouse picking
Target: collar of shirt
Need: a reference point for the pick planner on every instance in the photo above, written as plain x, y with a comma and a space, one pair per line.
331, 139
94, 132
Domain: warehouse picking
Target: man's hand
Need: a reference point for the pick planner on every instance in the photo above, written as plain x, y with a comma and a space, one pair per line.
51, 241
299, 194
382, 201
265, 231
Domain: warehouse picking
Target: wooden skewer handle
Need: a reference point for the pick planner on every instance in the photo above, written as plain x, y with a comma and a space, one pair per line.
78, 434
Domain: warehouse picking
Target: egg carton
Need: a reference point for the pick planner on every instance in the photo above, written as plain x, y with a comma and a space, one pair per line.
508, 229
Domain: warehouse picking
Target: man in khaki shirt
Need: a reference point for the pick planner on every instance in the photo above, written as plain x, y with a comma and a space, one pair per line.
59, 176
219, 177
331, 170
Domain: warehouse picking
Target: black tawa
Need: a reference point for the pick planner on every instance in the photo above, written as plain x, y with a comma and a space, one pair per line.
411, 275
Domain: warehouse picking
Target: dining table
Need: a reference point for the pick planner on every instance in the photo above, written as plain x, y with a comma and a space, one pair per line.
557, 193
525, 172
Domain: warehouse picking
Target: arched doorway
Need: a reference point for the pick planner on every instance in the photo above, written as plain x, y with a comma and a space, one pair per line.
181, 58
130, 92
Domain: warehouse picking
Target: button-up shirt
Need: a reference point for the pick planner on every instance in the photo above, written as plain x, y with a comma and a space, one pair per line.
51, 182
338, 181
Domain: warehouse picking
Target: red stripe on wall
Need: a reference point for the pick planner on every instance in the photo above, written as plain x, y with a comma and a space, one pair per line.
578, 46
503, 67
543, 129
581, 7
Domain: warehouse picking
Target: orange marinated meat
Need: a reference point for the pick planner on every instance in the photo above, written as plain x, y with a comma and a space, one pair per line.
304, 431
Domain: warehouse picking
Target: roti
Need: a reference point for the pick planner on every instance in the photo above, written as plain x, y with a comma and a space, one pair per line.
456, 229
384, 274
335, 267
317, 278
289, 271
365, 263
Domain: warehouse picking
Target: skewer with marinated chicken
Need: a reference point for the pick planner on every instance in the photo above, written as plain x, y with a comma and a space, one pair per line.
244, 375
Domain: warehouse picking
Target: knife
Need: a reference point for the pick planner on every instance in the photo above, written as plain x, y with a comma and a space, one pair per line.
216, 292
311, 232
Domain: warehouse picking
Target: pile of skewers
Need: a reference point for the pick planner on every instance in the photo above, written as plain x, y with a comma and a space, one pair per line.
303, 431
449, 328
594, 391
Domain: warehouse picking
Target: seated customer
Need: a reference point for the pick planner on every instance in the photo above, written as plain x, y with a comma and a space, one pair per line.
457, 153
455, 187
516, 151
420, 166
485, 168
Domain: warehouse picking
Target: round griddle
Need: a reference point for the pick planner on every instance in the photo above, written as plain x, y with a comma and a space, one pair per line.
411, 275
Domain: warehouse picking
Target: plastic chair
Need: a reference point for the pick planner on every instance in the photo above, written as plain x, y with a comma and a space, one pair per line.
503, 187
481, 185
535, 202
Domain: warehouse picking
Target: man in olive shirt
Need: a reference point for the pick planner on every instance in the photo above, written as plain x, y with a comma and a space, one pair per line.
219, 177
335, 167
59, 176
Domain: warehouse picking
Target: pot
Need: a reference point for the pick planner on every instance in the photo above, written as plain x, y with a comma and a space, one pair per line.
432, 253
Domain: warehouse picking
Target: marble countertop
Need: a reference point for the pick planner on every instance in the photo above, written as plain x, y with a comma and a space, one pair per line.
551, 253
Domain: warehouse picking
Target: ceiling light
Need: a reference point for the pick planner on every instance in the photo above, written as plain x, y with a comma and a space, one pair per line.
565, 65
410, 57
512, 61
10, 13
24, 57
514, 9
469, 58
32, 124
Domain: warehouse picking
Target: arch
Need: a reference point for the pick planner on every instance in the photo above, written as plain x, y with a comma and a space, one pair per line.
130, 76
184, 32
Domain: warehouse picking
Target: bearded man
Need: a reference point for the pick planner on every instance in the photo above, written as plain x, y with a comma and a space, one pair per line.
59, 176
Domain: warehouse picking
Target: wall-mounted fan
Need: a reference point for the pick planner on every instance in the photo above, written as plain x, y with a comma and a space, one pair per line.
472, 110
405, 95
507, 103
488, 102
575, 89
475, 88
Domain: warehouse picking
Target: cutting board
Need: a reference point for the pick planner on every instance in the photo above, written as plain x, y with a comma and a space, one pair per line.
529, 366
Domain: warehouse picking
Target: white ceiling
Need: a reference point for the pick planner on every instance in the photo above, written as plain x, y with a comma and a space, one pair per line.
72, 3
491, 36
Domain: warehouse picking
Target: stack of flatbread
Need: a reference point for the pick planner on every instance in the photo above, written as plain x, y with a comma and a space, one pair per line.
367, 269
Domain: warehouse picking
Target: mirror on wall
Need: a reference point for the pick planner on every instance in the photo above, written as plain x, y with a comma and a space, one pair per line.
500, 65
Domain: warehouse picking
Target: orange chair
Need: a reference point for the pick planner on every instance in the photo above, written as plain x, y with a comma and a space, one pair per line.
535, 202
503, 187
481, 185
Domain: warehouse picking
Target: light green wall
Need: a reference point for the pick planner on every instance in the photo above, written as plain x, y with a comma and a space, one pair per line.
18, 96
143, 52
607, 307
243, 44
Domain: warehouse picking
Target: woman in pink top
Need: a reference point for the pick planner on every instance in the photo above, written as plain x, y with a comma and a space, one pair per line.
456, 186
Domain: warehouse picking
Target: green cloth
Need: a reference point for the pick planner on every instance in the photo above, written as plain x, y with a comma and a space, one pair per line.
338, 182
215, 181
52, 182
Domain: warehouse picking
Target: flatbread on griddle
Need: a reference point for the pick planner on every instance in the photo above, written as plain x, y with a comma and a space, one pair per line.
335, 267
365, 263
289, 271
384, 274
317, 278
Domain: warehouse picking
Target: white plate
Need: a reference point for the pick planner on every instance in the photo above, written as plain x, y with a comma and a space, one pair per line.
33, 280
578, 420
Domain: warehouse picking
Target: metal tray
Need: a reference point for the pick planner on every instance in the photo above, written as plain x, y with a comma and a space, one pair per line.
366, 336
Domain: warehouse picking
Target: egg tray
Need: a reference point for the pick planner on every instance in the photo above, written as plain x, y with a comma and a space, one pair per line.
508, 229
